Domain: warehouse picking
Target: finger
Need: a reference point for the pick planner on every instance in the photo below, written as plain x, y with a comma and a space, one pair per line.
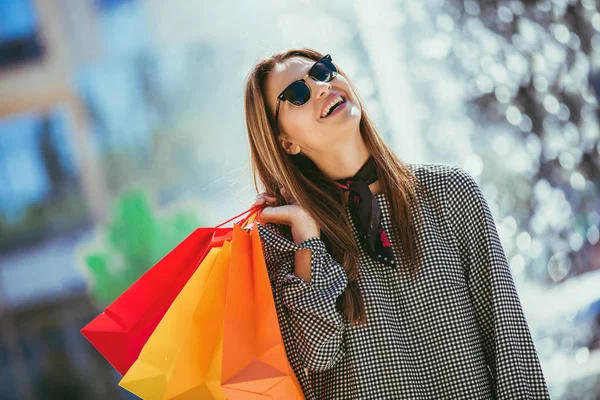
259, 196
288, 198
262, 198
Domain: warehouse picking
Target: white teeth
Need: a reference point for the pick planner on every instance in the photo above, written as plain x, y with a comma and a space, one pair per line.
338, 99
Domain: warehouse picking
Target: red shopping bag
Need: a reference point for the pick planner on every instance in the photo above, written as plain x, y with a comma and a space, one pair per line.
121, 331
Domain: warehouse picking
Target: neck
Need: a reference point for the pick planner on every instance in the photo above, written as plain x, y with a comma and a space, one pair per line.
344, 160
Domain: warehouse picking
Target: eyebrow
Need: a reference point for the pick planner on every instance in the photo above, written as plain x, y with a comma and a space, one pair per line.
301, 76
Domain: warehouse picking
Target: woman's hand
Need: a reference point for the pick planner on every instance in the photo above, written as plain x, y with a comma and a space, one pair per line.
284, 214
292, 214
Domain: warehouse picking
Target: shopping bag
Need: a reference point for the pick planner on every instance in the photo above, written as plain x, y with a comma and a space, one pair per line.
120, 332
255, 364
182, 357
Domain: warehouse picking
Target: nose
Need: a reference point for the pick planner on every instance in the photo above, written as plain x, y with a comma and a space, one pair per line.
321, 89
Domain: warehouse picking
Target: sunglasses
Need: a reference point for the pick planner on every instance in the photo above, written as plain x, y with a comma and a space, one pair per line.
298, 92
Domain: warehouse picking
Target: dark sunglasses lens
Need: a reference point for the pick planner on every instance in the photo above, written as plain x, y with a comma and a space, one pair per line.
323, 71
297, 93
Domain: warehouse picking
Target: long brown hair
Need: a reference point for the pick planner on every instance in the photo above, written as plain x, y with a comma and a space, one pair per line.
317, 193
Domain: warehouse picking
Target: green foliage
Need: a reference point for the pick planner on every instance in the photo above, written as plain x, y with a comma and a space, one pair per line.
134, 240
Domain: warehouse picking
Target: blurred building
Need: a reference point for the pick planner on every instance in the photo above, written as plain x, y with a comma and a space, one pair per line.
51, 194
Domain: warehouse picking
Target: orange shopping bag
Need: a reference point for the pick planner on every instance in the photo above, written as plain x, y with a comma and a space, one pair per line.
182, 358
255, 364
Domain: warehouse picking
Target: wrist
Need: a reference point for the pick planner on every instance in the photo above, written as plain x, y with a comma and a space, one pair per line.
304, 227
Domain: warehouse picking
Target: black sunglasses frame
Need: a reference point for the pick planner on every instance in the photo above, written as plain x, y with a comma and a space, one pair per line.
281, 96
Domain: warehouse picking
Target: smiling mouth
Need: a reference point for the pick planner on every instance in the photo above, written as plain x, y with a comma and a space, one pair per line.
332, 109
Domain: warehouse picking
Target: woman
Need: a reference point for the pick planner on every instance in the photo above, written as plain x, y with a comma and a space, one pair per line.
389, 278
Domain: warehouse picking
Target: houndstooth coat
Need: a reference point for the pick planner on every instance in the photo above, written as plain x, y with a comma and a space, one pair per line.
456, 330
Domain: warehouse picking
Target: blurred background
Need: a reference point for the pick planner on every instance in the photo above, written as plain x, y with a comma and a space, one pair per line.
121, 130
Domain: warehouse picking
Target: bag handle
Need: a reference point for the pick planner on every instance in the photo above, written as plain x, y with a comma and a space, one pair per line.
252, 212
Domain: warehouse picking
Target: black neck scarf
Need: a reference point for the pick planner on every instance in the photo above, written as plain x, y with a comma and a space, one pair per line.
366, 213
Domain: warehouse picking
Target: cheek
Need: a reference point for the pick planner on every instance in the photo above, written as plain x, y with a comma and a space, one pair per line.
302, 126
300, 120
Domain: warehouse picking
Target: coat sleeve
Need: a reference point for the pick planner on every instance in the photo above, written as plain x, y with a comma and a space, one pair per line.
509, 348
316, 325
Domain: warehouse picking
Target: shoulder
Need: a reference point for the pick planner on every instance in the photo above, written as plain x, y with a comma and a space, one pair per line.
447, 188
431, 174
433, 179
442, 178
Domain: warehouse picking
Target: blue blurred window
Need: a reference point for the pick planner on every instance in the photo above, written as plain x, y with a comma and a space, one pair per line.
17, 19
40, 188
107, 4
19, 27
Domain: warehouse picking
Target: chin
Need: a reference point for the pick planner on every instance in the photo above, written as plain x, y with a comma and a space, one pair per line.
343, 131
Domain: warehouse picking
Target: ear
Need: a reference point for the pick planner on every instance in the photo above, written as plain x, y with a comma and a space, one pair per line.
289, 147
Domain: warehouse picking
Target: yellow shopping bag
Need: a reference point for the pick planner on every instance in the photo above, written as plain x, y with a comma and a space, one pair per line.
182, 358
